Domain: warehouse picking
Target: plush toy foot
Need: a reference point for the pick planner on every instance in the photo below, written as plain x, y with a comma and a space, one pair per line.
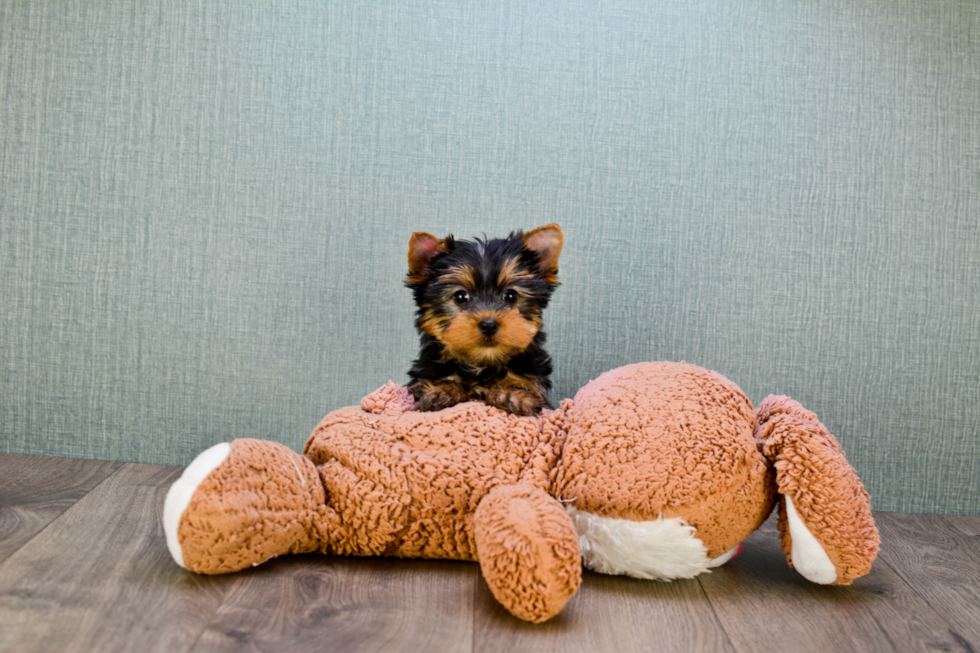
239, 504
825, 523
528, 551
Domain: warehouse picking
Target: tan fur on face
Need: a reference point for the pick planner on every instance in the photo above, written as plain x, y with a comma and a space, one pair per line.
433, 323
460, 275
510, 274
465, 343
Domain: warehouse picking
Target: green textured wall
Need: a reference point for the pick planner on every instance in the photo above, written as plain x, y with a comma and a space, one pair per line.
206, 206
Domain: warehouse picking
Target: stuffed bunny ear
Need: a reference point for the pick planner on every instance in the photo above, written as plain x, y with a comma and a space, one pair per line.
825, 522
422, 248
546, 242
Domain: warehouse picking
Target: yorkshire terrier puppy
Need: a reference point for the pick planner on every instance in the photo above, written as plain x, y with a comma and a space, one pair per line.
479, 316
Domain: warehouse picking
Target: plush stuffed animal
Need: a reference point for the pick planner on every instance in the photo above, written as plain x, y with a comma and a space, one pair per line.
654, 470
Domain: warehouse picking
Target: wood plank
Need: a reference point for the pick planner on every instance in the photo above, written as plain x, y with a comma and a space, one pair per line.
763, 604
940, 563
966, 525
609, 613
38, 489
326, 603
99, 578
90, 571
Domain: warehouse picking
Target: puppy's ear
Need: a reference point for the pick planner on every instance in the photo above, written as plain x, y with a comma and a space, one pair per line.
422, 248
547, 242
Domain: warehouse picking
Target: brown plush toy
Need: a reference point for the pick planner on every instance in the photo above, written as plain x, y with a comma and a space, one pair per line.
654, 470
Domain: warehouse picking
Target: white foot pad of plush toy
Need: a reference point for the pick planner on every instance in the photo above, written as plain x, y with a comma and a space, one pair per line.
182, 490
809, 557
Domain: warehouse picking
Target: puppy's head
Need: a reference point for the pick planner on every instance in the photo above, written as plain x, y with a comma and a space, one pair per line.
483, 299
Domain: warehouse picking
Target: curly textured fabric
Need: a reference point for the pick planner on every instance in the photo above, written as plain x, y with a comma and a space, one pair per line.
528, 550
671, 440
644, 443
407, 483
261, 502
825, 489
389, 399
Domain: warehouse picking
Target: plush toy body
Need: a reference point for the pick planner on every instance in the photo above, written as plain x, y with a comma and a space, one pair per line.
655, 470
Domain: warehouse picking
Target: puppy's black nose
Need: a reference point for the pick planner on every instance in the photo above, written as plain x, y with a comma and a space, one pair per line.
488, 326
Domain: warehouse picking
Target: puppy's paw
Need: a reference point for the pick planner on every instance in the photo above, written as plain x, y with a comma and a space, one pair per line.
516, 401
434, 395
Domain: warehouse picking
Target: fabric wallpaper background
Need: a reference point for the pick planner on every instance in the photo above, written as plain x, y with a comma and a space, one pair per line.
205, 209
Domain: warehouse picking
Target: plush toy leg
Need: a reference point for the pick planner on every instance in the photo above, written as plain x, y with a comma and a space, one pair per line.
825, 522
239, 504
528, 551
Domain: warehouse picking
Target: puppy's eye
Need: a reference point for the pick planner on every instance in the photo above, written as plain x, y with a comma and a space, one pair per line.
461, 297
510, 296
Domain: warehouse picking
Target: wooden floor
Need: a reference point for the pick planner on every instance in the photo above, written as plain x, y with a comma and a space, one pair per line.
84, 567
